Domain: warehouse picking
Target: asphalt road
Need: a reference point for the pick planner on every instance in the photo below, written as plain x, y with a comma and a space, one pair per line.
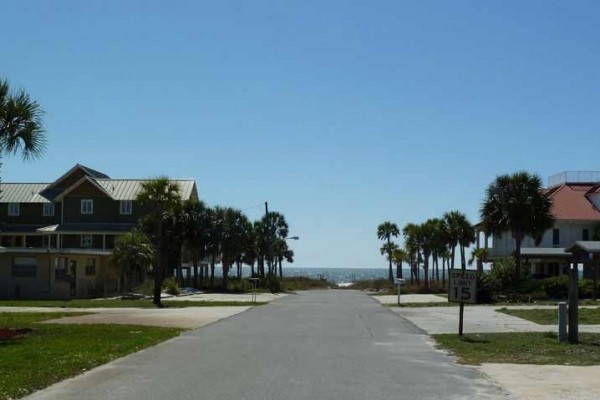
314, 345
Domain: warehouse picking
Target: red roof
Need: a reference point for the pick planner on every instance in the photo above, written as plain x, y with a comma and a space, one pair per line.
570, 202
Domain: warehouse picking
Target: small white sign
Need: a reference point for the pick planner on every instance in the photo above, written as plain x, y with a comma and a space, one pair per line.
462, 286
399, 281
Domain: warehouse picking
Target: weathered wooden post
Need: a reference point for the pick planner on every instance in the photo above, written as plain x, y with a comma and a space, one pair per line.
562, 322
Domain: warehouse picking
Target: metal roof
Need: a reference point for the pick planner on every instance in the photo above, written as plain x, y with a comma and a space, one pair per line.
544, 252
128, 189
589, 246
22, 193
20, 228
98, 227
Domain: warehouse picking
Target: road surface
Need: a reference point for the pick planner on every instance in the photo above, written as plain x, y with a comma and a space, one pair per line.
313, 345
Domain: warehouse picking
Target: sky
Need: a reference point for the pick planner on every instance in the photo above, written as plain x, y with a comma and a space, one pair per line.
340, 114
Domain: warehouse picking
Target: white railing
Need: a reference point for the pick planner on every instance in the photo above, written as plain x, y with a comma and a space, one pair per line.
574, 177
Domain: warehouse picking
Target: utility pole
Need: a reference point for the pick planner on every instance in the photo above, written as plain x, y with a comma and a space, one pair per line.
268, 238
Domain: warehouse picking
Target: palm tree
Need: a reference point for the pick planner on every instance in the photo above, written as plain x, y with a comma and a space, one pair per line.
161, 196
388, 250
282, 253
196, 231
399, 256
385, 231
133, 255
232, 238
515, 203
452, 223
21, 126
481, 256
274, 227
411, 233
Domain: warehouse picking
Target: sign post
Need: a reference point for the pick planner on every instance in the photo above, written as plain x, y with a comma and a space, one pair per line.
399, 282
462, 288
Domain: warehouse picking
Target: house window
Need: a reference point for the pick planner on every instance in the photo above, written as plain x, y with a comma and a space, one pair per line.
126, 206
24, 267
87, 206
586, 234
60, 268
86, 241
48, 210
14, 210
555, 237
90, 267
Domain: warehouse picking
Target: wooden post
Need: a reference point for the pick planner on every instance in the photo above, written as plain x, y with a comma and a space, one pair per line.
573, 304
460, 318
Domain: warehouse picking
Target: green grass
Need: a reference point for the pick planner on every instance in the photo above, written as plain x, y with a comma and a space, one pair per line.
587, 316
521, 348
53, 352
416, 305
86, 303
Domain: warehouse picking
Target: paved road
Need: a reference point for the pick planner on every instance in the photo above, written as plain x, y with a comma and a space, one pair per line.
314, 345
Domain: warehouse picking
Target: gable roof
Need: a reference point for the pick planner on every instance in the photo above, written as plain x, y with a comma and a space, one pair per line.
79, 183
569, 202
116, 189
86, 170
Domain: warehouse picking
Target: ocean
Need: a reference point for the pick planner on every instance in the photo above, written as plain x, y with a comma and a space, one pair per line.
335, 275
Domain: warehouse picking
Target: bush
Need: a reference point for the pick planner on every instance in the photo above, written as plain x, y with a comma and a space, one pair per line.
557, 287
169, 285
272, 283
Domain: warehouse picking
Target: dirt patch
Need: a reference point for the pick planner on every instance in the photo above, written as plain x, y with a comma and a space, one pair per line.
13, 333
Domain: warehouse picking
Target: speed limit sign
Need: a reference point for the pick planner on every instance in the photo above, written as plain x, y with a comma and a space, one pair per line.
462, 286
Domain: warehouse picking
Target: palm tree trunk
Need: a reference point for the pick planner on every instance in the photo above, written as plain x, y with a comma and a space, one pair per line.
158, 268
212, 271
390, 272
195, 263
453, 255
517, 259
201, 277
225, 275
252, 270
444, 271
280, 271
437, 269
426, 271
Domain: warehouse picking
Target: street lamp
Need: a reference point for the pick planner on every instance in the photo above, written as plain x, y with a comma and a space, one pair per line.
292, 238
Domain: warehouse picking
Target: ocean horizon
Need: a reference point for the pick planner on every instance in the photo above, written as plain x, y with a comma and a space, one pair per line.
332, 274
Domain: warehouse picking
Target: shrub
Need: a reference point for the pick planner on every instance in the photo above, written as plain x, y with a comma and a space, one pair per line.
169, 285
272, 283
557, 287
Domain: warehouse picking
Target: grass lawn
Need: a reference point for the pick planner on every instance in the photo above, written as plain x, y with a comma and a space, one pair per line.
117, 303
521, 348
53, 352
587, 316
414, 305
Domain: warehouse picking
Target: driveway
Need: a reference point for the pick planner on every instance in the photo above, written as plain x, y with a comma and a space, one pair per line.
314, 345
477, 319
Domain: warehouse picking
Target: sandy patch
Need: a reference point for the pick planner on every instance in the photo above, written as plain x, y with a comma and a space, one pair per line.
546, 382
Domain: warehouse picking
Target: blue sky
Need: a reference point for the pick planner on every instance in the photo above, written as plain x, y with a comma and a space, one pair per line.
340, 114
